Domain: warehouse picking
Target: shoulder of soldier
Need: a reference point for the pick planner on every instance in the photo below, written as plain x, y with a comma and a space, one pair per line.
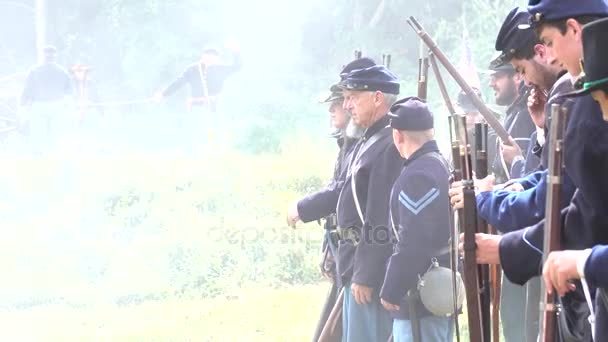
424, 170
561, 86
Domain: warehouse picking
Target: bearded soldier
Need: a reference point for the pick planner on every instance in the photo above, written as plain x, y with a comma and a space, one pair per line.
363, 205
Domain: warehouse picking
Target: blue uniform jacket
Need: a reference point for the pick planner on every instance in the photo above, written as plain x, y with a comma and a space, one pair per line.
510, 211
596, 273
421, 216
363, 261
520, 126
586, 218
596, 268
524, 167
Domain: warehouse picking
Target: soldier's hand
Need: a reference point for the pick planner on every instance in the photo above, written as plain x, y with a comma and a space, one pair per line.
485, 184
362, 293
560, 268
456, 195
515, 186
389, 306
487, 251
292, 215
509, 152
536, 106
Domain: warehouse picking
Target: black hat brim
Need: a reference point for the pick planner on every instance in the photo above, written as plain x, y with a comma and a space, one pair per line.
584, 91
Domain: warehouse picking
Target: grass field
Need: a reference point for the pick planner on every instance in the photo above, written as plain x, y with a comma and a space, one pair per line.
249, 315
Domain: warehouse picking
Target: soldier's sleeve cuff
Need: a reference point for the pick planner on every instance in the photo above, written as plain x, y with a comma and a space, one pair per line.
582, 261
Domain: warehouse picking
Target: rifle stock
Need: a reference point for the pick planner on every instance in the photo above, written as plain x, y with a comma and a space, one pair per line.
483, 109
552, 239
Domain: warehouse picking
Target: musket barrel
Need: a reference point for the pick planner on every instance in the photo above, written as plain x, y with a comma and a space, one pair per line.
441, 85
477, 102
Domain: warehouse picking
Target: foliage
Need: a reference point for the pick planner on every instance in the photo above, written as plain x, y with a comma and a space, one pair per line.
291, 53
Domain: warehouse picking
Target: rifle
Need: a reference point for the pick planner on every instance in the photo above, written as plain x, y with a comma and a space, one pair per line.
483, 109
386, 60
442, 89
332, 331
491, 276
328, 307
548, 306
470, 228
423, 73
456, 177
481, 170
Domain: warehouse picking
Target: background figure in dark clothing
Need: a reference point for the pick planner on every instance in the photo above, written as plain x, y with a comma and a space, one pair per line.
205, 77
509, 90
43, 105
46, 82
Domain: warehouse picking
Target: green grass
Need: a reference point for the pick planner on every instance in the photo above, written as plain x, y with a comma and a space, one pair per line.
262, 314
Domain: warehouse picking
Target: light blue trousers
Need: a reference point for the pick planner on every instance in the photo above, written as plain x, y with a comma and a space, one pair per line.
432, 329
364, 323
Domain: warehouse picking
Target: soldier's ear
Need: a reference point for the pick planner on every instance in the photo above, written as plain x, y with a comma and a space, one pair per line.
378, 98
575, 27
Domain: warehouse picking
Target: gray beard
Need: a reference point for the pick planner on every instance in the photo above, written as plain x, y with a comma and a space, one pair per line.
353, 130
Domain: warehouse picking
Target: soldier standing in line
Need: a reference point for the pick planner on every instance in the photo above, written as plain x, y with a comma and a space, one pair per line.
363, 205
421, 220
322, 204
591, 264
559, 26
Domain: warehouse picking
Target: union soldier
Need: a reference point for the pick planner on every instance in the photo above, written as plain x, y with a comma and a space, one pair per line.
46, 87
590, 264
363, 204
512, 210
509, 90
205, 77
559, 26
323, 202
420, 216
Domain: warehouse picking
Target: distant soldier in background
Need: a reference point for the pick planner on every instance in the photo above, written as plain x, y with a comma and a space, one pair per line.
205, 77
43, 102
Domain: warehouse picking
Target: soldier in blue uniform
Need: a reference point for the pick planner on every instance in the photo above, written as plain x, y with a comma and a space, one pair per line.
420, 217
363, 204
512, 210
322, 204
559, 25
590, 264
509, 90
